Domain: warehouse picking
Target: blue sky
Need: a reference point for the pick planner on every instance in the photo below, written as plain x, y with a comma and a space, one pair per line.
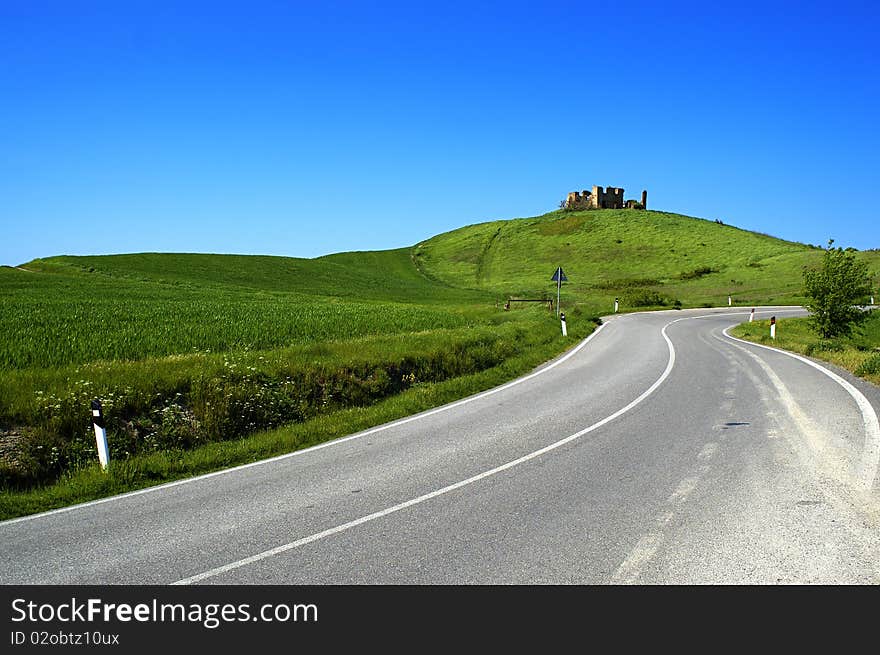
302, 129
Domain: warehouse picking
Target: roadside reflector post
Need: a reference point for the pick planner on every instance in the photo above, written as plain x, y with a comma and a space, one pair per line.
752, 315
729, 301
564, 327
616, 305
872, 300
100, 433
772, 327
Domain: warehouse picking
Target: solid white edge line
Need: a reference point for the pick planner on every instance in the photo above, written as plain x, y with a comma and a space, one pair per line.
870, 461
326, 444
444, 490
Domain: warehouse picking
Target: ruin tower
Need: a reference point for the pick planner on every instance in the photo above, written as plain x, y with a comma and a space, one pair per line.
645, 199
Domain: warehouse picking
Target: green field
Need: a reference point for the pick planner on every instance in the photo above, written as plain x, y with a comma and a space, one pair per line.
206, 361
64, 318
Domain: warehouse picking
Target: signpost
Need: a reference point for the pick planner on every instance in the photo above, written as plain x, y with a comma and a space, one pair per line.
559, 278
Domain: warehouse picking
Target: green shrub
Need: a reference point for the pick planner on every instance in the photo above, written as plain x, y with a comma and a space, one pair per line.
834, 289
697, 273
645, 298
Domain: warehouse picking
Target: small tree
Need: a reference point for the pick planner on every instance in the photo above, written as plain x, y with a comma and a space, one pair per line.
834, 289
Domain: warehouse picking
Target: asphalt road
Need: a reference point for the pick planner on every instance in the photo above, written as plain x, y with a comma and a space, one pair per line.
658, 451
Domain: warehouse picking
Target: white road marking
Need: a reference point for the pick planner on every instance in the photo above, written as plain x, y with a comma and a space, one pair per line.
870, 461
444, 490
327, 444
684, 489
708, 452
642, 553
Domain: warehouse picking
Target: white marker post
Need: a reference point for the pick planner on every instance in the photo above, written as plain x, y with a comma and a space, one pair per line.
752, 316
872, 300
100, 433
564, 327
616, 305
772, 327
729, 301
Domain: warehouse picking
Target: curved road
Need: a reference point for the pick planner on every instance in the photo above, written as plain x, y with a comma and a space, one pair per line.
659, 450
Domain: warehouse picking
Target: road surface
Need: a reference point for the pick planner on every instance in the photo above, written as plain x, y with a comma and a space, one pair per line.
658, 451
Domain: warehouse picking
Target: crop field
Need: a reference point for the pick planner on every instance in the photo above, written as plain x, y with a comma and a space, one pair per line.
52, 320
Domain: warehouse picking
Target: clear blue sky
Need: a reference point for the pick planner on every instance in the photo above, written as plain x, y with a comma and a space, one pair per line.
307, 128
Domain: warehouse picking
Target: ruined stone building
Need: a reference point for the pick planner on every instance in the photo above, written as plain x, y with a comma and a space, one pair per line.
598, 198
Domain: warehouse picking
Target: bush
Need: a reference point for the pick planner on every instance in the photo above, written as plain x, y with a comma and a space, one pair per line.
645, 298
697, 273
834, 289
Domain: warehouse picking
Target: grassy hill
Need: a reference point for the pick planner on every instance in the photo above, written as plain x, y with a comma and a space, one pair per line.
387, 275
632, 254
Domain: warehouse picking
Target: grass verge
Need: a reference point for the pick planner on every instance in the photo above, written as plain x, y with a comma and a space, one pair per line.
140, 471
858, 353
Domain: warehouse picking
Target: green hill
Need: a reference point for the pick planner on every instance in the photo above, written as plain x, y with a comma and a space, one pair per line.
387, 275
613, 253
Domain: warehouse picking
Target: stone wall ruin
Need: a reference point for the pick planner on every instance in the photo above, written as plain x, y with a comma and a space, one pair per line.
599, 198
